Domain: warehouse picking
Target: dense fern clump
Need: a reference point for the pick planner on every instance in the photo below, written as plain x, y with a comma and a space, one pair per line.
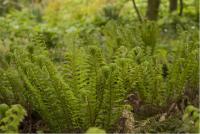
98, 70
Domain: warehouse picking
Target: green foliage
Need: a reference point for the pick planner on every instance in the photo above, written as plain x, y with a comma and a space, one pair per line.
46, 86
3, 108
149, 35
91, 86
95, 130
10, 118
188, 123
183, 69
191, 119
77, 77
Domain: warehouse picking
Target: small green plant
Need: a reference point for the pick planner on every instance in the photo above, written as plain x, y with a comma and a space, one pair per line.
11, 117
191, 119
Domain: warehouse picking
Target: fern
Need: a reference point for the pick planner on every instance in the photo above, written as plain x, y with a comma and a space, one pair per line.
101, 67
183, 71
47, 87
149, 35
6, 94
114, 95
95, 62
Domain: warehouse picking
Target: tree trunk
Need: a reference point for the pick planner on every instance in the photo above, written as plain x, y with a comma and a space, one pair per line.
181, 8
173, 5
153, 9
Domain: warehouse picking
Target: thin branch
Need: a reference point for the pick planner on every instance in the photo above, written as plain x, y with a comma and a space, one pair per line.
137, 11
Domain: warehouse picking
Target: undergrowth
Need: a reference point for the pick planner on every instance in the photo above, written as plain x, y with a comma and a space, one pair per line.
87, 88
